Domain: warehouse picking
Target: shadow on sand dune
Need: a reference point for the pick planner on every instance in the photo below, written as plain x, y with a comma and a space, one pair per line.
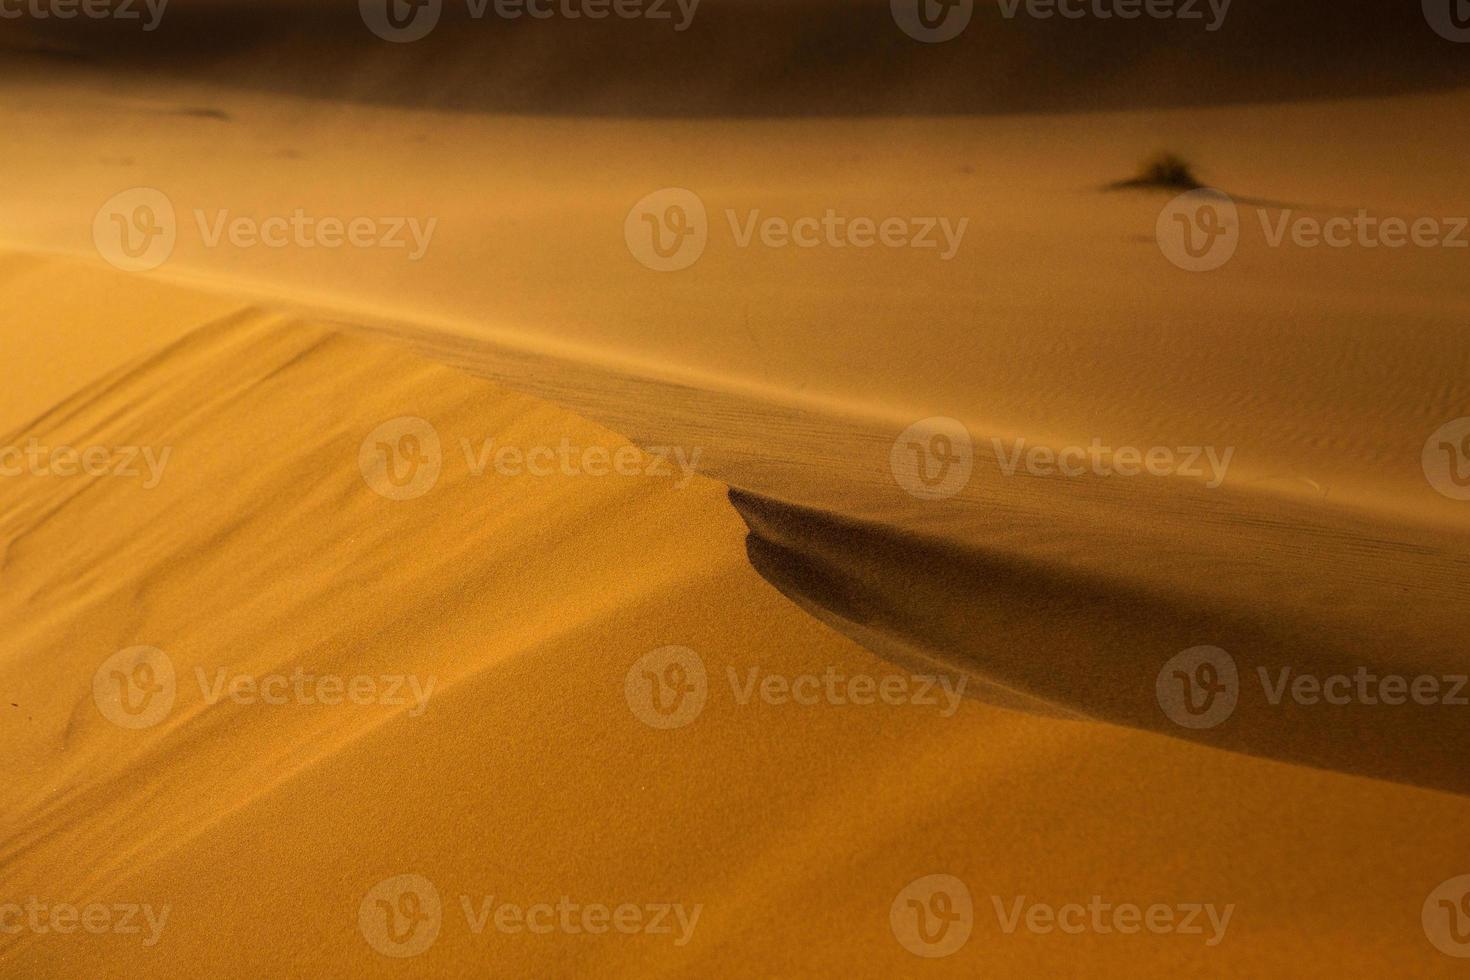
1066, 643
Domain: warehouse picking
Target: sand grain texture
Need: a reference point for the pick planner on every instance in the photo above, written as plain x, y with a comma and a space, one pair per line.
267, 548
263, 827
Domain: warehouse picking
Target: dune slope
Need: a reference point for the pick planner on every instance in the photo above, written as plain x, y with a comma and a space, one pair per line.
529, 775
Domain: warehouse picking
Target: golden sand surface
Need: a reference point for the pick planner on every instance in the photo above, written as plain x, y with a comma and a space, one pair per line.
525, 603
325, 685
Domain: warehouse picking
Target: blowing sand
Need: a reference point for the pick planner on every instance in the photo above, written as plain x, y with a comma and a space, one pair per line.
527, 602
497, 604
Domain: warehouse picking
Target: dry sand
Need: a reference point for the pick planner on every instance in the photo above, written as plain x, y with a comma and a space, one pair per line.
522, 606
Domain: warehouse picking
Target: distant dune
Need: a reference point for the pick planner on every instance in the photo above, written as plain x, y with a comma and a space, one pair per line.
770, 58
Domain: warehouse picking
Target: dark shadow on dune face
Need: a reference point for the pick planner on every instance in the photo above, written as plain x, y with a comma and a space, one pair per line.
1105, 650
769, 58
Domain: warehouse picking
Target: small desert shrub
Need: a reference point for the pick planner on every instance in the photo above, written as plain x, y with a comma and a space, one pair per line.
1166, 170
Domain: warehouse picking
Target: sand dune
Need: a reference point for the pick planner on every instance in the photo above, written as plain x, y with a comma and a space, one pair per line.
503, 565
264, 549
